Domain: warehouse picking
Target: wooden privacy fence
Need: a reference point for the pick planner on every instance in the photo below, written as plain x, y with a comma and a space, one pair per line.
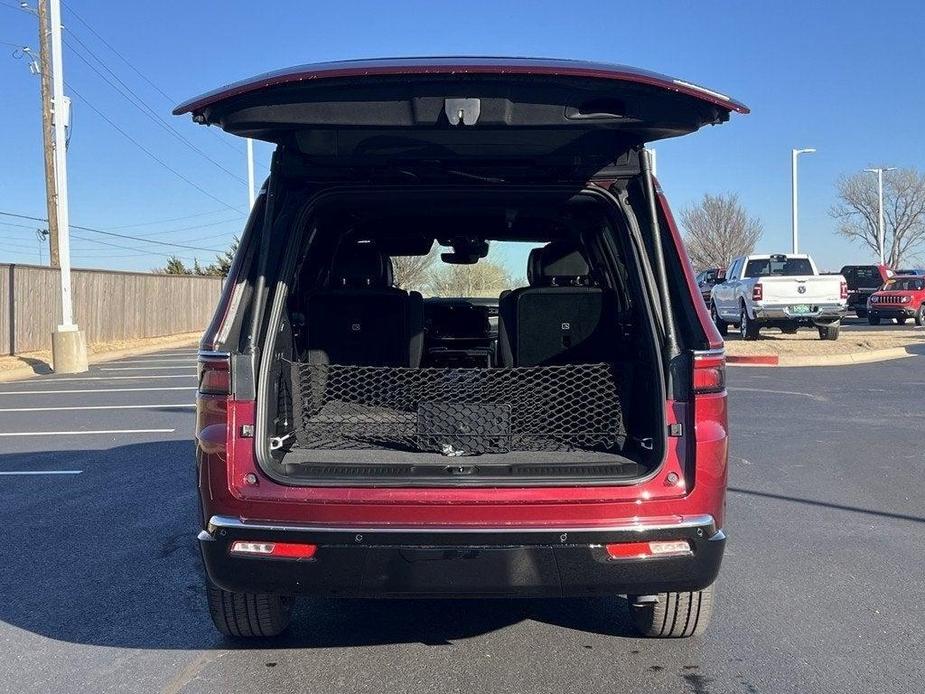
108, 305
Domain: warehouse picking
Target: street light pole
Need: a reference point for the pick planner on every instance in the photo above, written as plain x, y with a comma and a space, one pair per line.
879, 173
69, 351
794, 200
251, 196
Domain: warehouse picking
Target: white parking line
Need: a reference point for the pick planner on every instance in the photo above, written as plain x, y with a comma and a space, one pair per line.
150, 368
154, 361
114, 378
92, 407
90, 390
40, 472
75, 433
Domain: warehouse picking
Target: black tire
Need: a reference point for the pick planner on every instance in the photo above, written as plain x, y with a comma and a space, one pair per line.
674, 616
748, 328
720, 324
901, 320
249, 615
873, 319
829, 332
790, 329
920, 316
861, 313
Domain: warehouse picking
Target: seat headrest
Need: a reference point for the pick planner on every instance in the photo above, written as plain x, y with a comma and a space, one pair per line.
361, 266
534, 269
561, 263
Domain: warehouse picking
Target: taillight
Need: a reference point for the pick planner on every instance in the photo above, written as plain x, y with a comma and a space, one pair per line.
757, 292
214, 374
709, 372
276, 550
844, 290
647, 550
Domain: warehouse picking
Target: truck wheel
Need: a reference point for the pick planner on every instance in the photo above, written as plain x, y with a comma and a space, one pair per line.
920, 316
873, 319
748, 328
720, 324
248, 615
901, 320
829, 332
861, 313
673, 615
790, 329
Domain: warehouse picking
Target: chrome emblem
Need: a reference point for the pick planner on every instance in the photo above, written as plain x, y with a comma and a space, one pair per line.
801, 289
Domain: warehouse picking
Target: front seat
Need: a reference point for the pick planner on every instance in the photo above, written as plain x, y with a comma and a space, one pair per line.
561, 318
360, 319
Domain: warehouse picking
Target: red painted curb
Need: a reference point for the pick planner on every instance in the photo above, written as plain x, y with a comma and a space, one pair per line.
764, 359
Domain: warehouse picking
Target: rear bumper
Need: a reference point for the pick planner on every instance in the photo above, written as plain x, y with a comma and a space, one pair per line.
819, 313
462, 562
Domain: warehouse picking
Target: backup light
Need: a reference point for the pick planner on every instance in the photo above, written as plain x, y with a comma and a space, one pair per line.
647, 550
279, 550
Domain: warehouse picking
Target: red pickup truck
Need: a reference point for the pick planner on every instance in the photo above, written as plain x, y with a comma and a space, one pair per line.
900, 298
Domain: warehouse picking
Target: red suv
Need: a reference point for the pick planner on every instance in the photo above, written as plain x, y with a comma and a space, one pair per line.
901, 298
379, 419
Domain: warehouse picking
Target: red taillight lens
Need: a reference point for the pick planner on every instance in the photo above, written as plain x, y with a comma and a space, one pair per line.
709, 372
757, 292
214, 375
844, 290
277, 550
646, 550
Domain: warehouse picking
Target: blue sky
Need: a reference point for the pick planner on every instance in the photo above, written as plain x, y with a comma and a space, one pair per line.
842, 77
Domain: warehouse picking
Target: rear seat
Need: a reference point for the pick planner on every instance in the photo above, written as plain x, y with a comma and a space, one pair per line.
360, 319
560, 318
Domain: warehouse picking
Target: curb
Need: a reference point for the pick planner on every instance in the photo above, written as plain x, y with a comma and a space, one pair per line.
828, 360
24, 372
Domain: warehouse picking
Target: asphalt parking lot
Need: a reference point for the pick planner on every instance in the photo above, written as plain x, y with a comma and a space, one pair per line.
821, 588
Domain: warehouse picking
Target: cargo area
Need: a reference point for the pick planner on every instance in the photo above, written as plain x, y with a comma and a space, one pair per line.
491, 340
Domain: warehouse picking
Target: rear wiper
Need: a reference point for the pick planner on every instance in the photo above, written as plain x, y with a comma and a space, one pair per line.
476, 177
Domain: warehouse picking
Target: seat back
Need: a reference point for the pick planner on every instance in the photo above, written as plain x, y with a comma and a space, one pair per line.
360, 319
560, 318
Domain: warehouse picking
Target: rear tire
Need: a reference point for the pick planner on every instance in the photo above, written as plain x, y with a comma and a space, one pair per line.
829, 332
674, 616
920, 316
720, 324
248, 615
790, 329
862, 313
872, 319
901, 320
748, 328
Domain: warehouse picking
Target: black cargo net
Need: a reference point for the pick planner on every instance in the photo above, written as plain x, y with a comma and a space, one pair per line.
457, 411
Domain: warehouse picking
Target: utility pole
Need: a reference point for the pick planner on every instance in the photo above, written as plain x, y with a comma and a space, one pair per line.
69, 351
794, 201
879, 173
47, 133
251, 196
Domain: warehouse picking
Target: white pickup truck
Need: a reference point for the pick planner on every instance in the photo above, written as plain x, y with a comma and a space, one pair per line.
778, 291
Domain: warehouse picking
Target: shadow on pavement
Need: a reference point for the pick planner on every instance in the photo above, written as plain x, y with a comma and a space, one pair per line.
826, 504
109, 558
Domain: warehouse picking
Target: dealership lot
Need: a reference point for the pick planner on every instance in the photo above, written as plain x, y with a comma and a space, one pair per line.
100, 587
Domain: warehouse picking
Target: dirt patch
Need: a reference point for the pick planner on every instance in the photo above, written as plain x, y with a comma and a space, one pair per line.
856, 338
40, 362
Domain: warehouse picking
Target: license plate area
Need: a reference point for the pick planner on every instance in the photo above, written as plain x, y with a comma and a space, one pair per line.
801, 309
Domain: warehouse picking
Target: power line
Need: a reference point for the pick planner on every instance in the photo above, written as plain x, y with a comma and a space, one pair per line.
138, 72
166, 221
140, 104
112, 233
150, 153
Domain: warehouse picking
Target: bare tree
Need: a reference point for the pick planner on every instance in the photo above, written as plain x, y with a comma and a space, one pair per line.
718, 229
485, 278
857, 212
412, 272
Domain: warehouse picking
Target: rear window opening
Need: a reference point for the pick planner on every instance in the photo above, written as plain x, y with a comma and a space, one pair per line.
439, 340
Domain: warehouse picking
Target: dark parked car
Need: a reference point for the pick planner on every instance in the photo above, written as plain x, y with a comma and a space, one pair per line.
355, 438
707, 279
862, 281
